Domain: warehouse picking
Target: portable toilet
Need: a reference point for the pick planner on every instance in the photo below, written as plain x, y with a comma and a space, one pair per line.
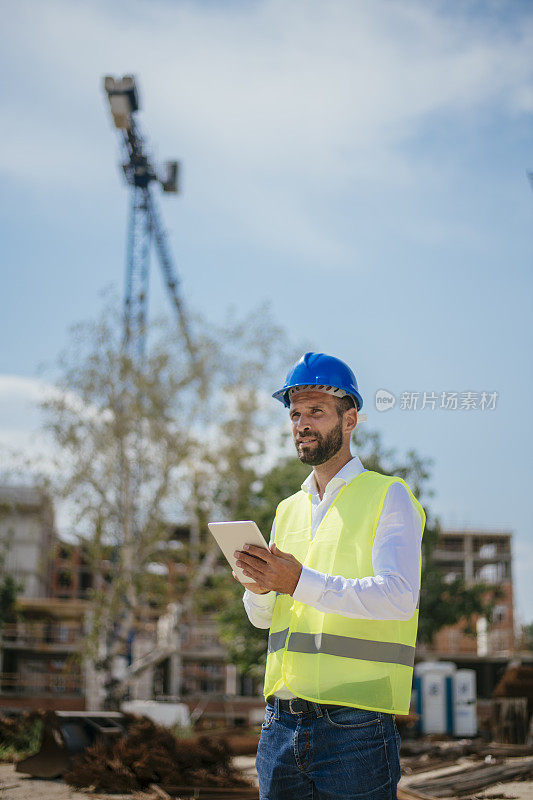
464, 703
434, 693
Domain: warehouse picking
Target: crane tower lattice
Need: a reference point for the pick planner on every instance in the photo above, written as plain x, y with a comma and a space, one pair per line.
145, 226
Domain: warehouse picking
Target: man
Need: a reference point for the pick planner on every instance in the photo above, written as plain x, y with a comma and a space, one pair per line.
339, 592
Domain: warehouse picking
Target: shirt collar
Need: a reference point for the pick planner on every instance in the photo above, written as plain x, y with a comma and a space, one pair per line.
344, 476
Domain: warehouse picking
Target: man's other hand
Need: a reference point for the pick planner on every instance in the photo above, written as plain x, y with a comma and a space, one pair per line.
272, 570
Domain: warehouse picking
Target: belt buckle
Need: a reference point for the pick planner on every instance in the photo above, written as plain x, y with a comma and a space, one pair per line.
290, 706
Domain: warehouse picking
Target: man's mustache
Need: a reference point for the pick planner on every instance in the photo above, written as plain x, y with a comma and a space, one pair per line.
301, 439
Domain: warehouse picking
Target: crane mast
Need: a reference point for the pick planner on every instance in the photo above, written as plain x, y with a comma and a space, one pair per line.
145, 226
146, 233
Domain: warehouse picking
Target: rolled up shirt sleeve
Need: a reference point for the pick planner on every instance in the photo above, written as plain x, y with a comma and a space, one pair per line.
392, 592
259, 607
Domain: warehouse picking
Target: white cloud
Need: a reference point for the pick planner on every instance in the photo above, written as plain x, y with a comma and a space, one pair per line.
21, 427
19, 399
275, 106
25, 446
16, 387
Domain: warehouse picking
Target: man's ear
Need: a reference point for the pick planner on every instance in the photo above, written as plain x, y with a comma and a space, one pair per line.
350, 420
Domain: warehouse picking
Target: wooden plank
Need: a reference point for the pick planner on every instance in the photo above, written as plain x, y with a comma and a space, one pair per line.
213, 792
406, 793
159, 792
472, 779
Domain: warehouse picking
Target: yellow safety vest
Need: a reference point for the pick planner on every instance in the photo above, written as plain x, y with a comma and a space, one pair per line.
330, 658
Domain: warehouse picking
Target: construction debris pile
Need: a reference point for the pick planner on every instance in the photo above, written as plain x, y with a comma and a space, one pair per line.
517, 681
472, 766
19, 735
474, 779
423, 755
513, 706
150, 754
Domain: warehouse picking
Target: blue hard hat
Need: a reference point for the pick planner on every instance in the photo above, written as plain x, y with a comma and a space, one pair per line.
318, 369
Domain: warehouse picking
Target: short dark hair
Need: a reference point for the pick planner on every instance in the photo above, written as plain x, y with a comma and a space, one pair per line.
344, 404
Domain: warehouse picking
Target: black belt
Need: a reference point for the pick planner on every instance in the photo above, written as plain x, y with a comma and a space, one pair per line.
296, 705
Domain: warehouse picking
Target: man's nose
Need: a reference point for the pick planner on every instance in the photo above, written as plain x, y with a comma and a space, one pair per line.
302, 423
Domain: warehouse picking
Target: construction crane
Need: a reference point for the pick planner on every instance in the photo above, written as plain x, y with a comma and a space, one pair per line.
145, 229
145, 224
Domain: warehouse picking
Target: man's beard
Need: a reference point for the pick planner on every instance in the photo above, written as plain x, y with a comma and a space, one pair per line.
324, 448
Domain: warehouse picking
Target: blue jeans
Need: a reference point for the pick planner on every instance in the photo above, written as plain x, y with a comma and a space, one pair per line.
328, 753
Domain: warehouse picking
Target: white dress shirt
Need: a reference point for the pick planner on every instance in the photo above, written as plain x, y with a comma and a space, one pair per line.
390, 593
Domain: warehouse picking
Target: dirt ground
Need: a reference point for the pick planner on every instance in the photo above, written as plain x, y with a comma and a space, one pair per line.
14, 786
18, 787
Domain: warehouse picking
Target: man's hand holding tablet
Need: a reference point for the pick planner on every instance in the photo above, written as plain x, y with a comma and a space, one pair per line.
252, 587
246, 551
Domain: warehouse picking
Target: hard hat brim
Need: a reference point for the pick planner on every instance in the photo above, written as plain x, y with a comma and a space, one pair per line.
283, 396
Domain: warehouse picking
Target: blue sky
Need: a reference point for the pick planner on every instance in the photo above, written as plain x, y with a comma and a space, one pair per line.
360, 165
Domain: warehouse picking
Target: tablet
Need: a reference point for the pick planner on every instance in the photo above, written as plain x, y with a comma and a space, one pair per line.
231, 536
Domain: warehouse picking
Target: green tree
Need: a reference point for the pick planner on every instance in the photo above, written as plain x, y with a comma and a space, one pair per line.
123, 432
526, 636
140, 444
10, 588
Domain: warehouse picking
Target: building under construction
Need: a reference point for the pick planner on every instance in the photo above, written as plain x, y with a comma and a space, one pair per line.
479, 556
39, 651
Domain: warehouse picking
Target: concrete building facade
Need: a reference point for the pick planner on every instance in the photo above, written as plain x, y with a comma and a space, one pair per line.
478, 556
26, 537
41, 665
38, 648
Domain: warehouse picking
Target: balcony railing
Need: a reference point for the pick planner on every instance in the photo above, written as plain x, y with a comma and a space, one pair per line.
37, 634
194, 671
198, 642
14, 683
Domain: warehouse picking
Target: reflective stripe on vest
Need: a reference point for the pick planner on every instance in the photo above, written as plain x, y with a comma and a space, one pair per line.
345, 646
